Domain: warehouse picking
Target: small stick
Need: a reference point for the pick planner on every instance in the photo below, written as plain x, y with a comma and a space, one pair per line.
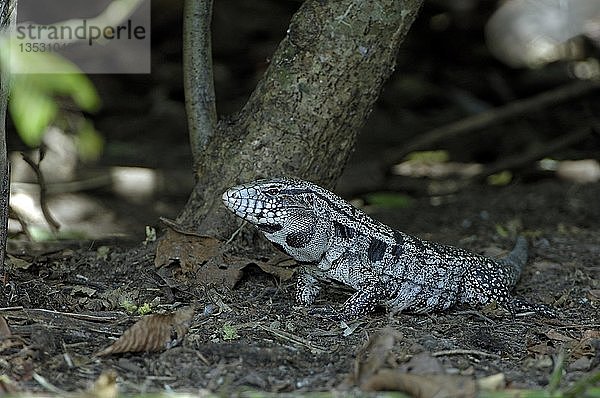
491, 117
235, 233
463, 352
4, 206
534, 154
87, 317
477, 314
294, 339
24, 224
47, 385
179, 228
54, 225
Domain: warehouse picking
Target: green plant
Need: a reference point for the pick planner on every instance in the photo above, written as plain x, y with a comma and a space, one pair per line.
34, 101
229, 332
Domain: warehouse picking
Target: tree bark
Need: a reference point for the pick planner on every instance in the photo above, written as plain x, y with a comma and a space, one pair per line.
198, 77
304, 115
8, 13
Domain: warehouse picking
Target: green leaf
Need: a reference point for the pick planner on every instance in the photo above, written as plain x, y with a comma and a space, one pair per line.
389, 199
440, 156
229, 332
89, 142
39, 233
144, 309
500, 230
32, 112
75, 85
32, 103
502, 178
129, 306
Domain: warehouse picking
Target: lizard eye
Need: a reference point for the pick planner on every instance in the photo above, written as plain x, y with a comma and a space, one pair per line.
272, 191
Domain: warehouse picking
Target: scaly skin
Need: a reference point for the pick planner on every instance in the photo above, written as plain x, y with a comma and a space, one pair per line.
336, 241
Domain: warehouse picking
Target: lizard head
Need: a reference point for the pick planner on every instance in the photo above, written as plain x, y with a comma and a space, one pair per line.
268, 204
287, 212
295, 215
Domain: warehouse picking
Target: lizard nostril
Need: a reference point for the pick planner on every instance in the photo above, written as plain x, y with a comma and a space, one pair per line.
228, 195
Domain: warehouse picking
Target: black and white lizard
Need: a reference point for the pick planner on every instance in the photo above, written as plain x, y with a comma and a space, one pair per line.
337, 241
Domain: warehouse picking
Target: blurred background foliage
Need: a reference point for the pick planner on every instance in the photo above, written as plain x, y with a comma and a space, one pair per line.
38, 101
461, 59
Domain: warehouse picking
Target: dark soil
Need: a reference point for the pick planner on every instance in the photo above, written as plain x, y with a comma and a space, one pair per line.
65, 302
310, 352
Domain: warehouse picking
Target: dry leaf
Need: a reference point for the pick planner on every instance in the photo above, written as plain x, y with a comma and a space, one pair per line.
222, 270
421, 386
542, 348
88, 291
282, 268
554, 335
200, 256
581, 364
491, 383
586, 346
374, 354
153, 333
4, 329
15, 262
593, 295
423, 363
204, 258
189, 250
8, 387
590, 334
105, 386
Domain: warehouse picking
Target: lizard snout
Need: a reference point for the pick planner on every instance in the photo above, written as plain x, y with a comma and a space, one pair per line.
230, 197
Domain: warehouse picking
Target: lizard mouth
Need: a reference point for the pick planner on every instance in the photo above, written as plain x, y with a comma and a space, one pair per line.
239, 205
233, 200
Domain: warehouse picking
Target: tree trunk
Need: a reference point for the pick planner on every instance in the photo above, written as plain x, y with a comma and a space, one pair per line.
304, 115
7, 18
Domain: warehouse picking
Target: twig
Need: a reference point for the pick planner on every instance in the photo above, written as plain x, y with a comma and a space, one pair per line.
85, 317
477, 314
18, 308
577, 326
198, 75
4, 206
175, 226
101, 181
464, 352
24, 224
70, 323
534, 154
54, 225
493, 116
294, 339
47, 385
235, 233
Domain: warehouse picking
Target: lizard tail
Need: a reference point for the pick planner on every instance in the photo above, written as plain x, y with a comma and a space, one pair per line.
515, 260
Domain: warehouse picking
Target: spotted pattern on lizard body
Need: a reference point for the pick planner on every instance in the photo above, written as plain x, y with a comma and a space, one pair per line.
336, 241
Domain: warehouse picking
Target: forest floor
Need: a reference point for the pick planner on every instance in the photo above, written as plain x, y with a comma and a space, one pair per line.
64, 302
68, 305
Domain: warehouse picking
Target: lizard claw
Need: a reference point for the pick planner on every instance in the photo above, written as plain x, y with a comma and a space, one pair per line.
518, 305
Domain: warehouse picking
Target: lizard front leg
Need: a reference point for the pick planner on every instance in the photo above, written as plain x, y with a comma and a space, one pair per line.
307, 287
